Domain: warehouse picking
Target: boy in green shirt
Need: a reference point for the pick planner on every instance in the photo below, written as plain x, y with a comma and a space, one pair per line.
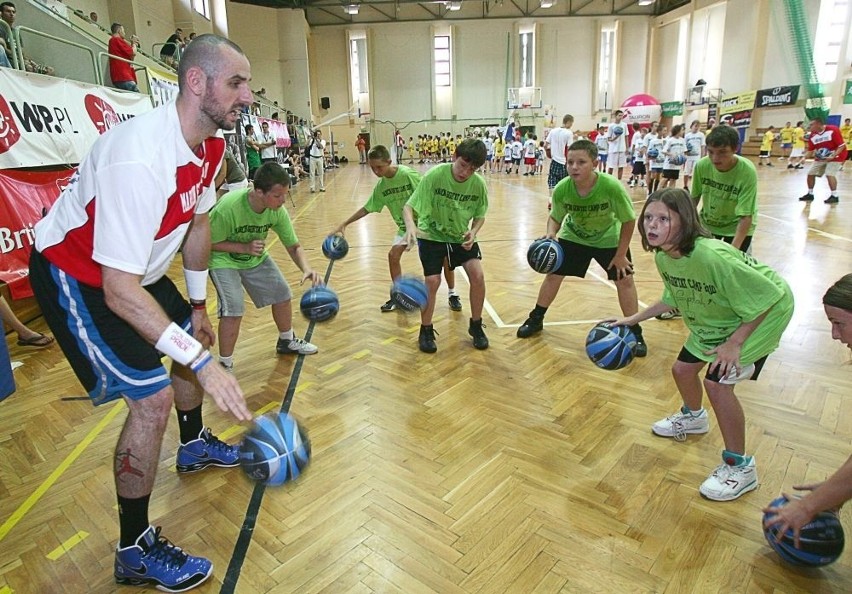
449, 206
396, 185
727, 185
594, 219
239, 224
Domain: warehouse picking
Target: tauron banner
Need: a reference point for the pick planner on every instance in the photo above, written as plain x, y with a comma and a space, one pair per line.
777, 97
56, 121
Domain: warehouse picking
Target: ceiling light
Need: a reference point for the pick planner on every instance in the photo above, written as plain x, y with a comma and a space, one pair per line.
645, 2
454, 5
351, 8
547, 3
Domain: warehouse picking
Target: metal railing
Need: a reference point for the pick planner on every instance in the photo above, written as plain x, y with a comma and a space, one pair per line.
20, 50
175, 56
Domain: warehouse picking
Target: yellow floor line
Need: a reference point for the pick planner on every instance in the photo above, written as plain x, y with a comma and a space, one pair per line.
67, 545
25, 507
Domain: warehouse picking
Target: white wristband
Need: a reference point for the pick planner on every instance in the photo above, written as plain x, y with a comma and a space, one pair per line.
179, 345
196, 283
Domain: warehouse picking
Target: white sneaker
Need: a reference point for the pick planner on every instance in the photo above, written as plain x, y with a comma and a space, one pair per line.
681, 423
296, 346
729, 482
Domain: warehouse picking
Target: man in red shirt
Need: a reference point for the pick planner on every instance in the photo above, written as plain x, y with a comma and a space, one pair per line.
122, 74
828, 148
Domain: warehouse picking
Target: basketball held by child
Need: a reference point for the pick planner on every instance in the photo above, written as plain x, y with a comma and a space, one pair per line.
319, 304
677, 159
617, 130
276, 450
335, 247
610, 347
820, 542
409, 293
545, 255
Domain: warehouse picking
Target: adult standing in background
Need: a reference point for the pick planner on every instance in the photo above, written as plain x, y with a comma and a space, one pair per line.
361, 145
98, 270
828, 148
121, 73
316, 152
556, 144
267, 142
252, 151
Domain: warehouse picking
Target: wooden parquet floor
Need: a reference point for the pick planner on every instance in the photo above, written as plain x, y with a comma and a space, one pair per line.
520, 469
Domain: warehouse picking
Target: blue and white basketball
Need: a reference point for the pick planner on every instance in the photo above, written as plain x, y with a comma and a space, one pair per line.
319, 304
653, 153
677, 159
545, 255
409, 293
823, 154
610, 347
820, 541
617, 130
276, 450
335, 247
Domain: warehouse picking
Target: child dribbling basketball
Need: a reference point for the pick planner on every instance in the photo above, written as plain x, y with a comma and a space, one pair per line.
594, 219
736, 310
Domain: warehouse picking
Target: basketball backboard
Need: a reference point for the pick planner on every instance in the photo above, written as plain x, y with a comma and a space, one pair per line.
524, 98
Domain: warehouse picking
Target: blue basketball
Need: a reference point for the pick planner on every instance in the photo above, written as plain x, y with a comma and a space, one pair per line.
677, 159
823, 154
821, 541
617, 130
610, 347
319, 304
545, 255
653, 153
335, 247
409, 293
276, 450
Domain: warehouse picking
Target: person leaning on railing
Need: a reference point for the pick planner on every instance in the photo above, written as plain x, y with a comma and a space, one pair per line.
120, 71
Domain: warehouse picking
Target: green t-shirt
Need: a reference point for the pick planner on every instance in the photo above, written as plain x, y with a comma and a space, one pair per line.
595, 219
726, 197
252, 156
232, 219
717, 288
446, 207
393, 193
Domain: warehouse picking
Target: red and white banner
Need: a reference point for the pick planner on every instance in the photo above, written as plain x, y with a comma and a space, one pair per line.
51, 121
24, 198
277, 127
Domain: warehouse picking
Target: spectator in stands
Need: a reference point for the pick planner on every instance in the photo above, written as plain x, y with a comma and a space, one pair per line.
93, 16
171, 50
122, 73
26, 337
252, 151
8, 13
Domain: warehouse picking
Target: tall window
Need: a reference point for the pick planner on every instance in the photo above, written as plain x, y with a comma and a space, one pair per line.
442, 60
527, 46
202, 7
606, 68
831, 27
358, 64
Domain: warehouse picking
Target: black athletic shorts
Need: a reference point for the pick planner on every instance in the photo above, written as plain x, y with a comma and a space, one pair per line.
686, 357
671, 173
432, 254
743, 248
578, 257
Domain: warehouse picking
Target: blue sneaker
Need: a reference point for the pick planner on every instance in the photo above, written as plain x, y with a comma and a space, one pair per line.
153, 560
206, 451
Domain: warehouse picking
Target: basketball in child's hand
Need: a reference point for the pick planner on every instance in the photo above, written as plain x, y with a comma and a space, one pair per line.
335, 247
820, 541
823, 154
545, 255
610, 347
319, 304
617, 130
